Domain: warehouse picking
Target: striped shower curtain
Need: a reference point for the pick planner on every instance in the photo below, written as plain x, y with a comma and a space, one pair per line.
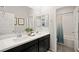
60, 36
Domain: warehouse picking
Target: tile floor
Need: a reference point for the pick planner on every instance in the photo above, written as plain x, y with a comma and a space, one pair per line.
49, 51
62, 48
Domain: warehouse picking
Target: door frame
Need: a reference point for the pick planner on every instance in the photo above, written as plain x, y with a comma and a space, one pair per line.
76, 28
75, 12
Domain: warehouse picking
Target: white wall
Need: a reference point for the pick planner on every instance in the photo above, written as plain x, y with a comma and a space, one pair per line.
66, 9
19, 12
6, 23
53, 39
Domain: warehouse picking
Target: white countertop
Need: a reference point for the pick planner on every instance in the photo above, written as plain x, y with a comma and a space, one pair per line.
12, 42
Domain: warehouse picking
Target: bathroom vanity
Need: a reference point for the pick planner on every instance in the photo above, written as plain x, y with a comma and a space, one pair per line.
37, 43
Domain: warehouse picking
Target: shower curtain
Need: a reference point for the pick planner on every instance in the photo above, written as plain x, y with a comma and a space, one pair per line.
60, 36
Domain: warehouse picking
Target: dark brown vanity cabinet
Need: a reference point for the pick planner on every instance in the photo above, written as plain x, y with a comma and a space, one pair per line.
38, 45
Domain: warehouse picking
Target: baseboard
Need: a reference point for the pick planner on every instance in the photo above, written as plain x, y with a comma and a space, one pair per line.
52, 50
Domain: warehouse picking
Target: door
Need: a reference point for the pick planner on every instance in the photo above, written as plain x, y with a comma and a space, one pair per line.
68, 29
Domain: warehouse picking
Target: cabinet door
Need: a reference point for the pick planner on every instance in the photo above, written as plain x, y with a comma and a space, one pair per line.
33, 48
44, 45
